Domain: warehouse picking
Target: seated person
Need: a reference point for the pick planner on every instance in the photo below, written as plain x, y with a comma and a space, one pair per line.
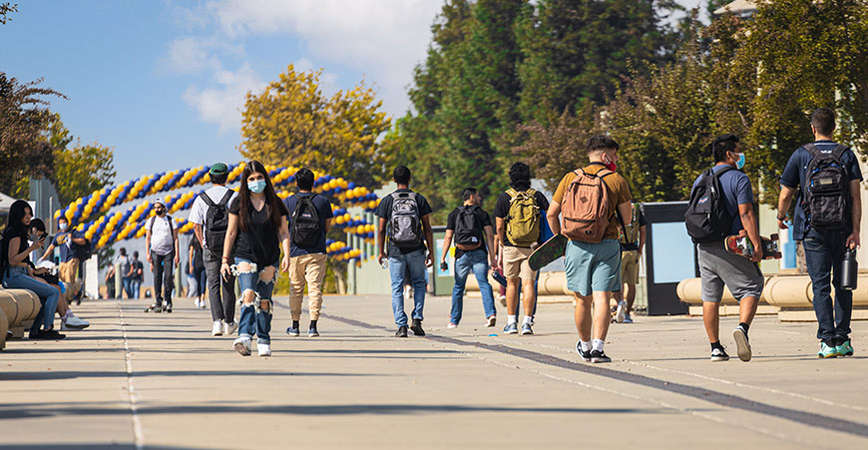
68, 320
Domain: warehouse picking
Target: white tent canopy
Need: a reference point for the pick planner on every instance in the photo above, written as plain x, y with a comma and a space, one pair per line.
5, 202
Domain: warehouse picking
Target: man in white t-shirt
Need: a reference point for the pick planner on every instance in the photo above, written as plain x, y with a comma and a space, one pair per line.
213, 204
161, 244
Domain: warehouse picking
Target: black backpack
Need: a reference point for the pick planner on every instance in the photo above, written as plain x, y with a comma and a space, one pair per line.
216, 220
405, 223
305, 230
467, 230
826, 194
707, 218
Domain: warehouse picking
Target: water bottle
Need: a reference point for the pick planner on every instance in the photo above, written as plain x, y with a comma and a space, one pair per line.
849, 270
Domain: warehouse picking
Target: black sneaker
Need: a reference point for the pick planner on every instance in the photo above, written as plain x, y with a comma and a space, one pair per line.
586, 356
742, 343
597, 356
311, 332
402, 331
719, 354
168, 308
154, 308
417, 328
49, 335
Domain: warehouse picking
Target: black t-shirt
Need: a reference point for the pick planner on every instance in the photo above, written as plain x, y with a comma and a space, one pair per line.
8, 234
501, 210
260, 243
324, 211
198, 261
138, 266
482, 220
384, 211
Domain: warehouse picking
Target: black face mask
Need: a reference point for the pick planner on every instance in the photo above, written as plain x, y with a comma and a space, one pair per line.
160, 211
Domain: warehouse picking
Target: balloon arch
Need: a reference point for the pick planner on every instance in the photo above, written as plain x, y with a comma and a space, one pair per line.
89, 213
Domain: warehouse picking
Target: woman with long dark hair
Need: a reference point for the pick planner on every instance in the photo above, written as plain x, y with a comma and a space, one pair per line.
15, 273
258, 228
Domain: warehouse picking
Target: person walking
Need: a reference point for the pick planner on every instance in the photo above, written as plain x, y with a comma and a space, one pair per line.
405, 217
196, 266
826, 220
732, 214
161, 245
593, 200
308, 225
126, 267
210, 216
136, 275
256, 233
469, 227
632, 241
15, 273
518, 226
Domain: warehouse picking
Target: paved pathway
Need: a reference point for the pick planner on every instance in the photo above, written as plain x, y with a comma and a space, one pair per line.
161, 381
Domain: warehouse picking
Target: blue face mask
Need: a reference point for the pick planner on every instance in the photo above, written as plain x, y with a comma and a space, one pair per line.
257, 187
740, 163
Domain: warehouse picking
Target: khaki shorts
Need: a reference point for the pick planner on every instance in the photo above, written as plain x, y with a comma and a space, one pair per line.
630, 267
515, 263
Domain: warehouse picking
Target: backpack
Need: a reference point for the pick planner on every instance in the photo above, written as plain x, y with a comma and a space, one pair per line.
629, 237
81, 251
305, 229
405, 223
707, 219
586, 207
826, 198
468, 233
523, 220
216, 220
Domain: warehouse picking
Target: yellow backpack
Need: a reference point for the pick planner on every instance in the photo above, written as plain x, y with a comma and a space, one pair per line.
523, 221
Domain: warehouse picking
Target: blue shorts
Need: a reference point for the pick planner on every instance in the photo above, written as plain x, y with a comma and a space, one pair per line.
593, 267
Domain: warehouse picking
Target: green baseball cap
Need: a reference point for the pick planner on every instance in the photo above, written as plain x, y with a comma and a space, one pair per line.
218, 169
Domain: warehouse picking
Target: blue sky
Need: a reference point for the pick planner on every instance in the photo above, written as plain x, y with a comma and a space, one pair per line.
162, 82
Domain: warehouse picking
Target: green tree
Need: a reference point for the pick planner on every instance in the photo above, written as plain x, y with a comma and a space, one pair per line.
7, 8
24, 118
818, 56
578, 51
293, 123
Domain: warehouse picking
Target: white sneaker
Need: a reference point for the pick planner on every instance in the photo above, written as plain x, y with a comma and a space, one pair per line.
229, 328
242, 346
202, 304
451, 325
217, 329
263, 349
622, 310
74, 323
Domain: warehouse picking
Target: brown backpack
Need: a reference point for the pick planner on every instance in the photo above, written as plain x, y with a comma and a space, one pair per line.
586, 207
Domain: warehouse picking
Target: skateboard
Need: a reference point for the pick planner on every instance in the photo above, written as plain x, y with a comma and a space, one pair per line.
549, 251
741, 245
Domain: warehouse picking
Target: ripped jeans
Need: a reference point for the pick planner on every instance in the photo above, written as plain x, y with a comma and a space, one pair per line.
256, 286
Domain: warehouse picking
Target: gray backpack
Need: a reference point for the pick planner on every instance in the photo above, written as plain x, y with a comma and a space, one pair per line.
405, 223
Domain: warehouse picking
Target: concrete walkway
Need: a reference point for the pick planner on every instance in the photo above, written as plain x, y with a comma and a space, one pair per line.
161, 381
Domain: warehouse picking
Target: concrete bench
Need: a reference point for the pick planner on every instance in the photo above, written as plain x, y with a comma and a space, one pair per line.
18, 308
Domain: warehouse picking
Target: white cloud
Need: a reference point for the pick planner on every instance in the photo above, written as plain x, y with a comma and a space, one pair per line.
384, 39
222, 104
190, 55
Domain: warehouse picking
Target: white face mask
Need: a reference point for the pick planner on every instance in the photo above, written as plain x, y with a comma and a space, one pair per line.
62, 226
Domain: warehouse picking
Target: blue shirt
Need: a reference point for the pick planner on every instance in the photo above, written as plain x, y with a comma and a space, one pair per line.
736, 191
60, 243
794, 177
323, 209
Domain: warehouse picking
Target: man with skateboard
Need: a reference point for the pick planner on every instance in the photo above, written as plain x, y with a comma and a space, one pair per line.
518, 227
469, 227
827, 217
593, 201
721, 205
632, 241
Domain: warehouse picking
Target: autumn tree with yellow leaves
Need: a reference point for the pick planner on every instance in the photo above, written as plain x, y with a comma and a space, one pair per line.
293, 123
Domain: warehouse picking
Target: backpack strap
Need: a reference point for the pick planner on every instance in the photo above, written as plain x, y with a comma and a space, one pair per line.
617, 211
226, 197
205, 198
